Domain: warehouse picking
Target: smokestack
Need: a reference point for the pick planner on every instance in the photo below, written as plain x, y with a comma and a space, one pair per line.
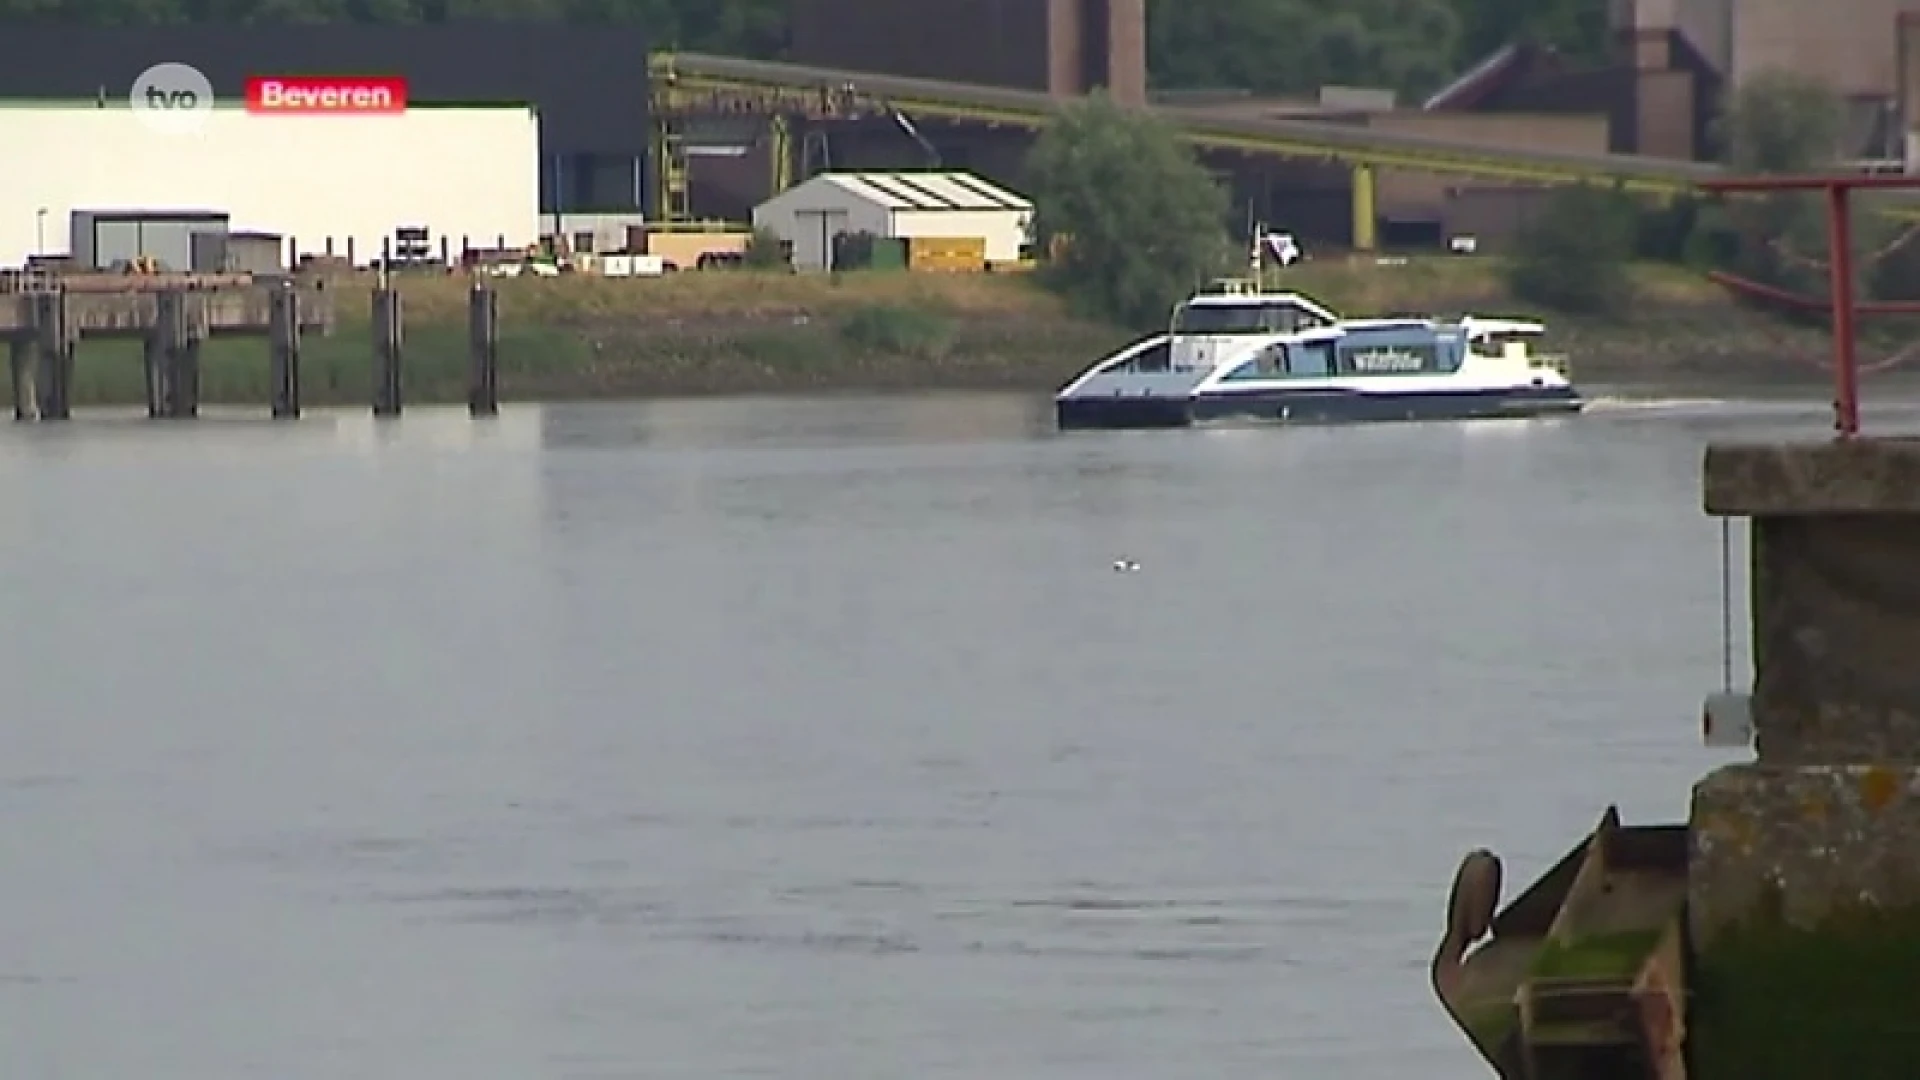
1127, 51
1907, 44
1066, 62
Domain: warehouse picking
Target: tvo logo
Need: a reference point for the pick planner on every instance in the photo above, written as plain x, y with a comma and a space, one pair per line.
173, 99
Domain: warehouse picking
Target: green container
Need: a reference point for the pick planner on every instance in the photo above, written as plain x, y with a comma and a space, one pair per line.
889, 253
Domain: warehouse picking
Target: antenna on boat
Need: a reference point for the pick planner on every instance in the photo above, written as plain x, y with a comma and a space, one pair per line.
1254, 269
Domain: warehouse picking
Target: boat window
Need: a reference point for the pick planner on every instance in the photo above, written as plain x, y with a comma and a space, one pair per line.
1497, 343
1275, 318
1216, 319
1315, 358
1300, 319
1149, 361
1268, 363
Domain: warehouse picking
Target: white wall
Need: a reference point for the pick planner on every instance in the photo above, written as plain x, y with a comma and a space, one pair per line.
459, 172
795, 216
609, 231
1004, 230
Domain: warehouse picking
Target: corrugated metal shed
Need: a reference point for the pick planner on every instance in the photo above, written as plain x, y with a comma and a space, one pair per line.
933, 191
896, 205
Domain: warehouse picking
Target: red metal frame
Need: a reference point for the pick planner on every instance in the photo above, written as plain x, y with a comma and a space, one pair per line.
1841, 304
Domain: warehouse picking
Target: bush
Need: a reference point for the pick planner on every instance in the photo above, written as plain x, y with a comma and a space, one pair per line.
766, 251
1779, 123
1142, 222
854, 250
1575, 255
1665, 231
898, 331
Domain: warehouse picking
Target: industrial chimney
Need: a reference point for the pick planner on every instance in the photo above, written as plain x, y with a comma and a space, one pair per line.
1098, 43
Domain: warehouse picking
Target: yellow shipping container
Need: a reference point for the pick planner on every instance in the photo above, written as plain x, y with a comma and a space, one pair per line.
685, 249
950, 254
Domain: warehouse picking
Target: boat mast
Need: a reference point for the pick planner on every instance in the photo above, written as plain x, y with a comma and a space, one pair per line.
1253, 253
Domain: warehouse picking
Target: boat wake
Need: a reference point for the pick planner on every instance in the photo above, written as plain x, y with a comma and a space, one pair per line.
1637, 404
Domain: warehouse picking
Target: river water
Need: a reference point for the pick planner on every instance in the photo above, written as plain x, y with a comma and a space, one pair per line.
814, 739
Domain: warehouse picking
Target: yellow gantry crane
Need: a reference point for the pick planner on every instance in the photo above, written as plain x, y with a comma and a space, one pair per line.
687, 86
681, 98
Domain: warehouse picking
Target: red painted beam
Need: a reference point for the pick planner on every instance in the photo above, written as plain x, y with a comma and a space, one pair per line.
1773, 294
1842, 305
1740, 185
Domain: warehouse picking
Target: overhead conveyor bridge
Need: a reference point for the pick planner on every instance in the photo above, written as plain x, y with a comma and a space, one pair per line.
682, 80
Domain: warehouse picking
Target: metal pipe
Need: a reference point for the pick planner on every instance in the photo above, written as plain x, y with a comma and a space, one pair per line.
1846, 375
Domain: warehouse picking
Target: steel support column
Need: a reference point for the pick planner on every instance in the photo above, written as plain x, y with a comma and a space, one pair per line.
780, 152
1366, 214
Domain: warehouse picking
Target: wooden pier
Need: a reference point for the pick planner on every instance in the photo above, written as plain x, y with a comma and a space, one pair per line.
43, 318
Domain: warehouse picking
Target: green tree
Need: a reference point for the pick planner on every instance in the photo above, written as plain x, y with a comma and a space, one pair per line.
1574, 256
1132, 218
1779, 123
1578, 29
1297, 46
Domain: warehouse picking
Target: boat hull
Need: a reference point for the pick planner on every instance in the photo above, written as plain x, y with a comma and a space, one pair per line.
1313, 407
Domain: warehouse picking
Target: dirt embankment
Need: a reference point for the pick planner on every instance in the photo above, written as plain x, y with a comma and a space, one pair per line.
1680, 327
724, 332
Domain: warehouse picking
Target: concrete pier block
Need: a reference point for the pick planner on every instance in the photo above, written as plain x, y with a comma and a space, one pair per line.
1835, 599
1800, 845
1857, 476
1804, 866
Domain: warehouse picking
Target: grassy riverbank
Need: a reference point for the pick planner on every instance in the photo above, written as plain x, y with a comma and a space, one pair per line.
744, 332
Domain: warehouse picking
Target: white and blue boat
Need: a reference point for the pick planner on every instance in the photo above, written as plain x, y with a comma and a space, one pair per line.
1241, 355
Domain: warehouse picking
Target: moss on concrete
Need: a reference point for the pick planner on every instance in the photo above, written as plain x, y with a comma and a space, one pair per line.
1772, 1002
1489, 1023
1597, 956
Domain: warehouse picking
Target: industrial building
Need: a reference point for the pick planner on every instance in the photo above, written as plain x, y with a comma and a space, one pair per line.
588, 84
896, 206
1062, 47
1676, 60
328, 183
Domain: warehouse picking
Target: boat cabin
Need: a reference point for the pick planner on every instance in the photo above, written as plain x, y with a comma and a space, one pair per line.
1375, 347
1208, 325
1512, 340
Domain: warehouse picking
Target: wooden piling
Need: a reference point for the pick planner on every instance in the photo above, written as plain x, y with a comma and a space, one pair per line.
388, 321
26, 393
54, 341
153, 359
186, 380
483, 343
283, 344
172, 353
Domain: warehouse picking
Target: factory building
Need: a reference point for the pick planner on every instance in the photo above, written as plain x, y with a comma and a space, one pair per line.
325, 182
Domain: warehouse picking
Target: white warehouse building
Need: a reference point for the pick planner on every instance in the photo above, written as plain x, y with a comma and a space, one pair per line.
895, 205
469, 173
